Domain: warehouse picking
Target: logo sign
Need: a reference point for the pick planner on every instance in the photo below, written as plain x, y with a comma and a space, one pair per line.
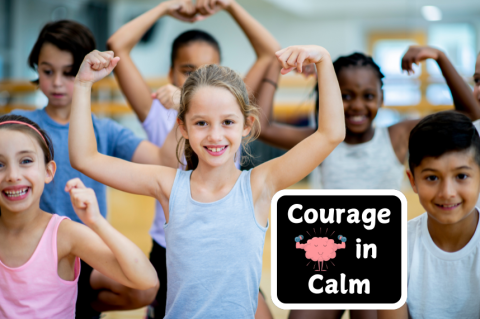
339, 249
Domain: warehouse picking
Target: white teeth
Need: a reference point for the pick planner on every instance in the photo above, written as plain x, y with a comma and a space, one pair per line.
216, 149
357, 118
16, 193
449, 206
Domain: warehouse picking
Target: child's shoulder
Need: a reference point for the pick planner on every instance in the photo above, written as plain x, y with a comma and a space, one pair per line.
33, 115
415, 226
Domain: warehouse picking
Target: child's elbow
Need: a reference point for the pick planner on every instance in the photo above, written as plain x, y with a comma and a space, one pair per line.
77, 163
152, 284
111, 44
337, 136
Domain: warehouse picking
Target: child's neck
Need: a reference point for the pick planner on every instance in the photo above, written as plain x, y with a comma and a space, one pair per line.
15, 222
214, 178
60, 114
453, 237
359, 138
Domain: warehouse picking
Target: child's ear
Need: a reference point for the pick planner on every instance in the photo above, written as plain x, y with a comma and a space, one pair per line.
50, 169
248, 125
411, 178
182, 128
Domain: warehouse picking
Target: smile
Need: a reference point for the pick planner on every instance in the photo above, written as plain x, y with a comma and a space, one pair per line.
357, 119
17, 194
448, 206
216, 151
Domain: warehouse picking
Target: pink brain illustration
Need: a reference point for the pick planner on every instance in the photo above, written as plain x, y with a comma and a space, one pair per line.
320, 249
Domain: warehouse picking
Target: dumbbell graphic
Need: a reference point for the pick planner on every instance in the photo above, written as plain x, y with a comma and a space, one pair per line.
299, 238
320, 249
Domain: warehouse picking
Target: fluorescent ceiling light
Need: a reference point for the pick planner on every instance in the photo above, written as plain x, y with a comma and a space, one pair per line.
431, 13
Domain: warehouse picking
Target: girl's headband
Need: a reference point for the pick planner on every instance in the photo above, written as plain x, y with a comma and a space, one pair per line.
30, 126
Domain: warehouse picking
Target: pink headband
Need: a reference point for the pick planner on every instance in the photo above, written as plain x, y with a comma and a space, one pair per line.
23, 123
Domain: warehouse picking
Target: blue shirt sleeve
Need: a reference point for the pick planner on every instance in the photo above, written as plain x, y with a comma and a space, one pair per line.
123, 141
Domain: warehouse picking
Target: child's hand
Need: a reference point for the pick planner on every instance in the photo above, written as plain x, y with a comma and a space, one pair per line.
295, 57
168, 95
308, 70
183, 10
96, 65
416, 54
84, 202
209, 7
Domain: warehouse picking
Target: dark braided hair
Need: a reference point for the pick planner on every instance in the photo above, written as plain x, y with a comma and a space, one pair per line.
353, 60
192, 36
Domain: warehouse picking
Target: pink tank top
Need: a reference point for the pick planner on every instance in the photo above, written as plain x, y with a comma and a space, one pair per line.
34, 290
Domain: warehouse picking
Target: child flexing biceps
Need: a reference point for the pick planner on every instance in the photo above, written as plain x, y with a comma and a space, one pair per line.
214, 266
40, 251
190, 50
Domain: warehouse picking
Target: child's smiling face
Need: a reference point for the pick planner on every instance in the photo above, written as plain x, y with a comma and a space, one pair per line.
55, 80
214, 125
447, 186
23, 172
362, 97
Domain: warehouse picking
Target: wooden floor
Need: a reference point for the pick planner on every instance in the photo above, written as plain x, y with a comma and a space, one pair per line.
133, 215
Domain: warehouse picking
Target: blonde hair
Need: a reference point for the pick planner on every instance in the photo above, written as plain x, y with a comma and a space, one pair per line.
221, 77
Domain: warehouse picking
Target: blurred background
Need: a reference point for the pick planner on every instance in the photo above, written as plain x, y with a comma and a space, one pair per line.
383, 29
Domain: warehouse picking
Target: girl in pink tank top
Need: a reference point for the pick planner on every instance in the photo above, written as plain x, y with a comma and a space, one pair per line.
40, 252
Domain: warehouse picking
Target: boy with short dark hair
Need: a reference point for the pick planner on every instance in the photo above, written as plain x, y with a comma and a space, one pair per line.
443, 243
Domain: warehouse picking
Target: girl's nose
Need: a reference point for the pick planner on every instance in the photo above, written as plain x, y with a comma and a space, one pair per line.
13, 174
215, 133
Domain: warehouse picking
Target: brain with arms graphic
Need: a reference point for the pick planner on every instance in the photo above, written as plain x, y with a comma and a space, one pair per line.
320, 249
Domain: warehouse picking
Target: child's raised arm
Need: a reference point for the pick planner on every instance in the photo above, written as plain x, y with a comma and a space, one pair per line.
297, 163
260, 38
131, 82
277, 134
463, 98
101, 245
82, 144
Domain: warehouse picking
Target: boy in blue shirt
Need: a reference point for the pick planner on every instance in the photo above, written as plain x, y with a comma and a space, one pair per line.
57, 55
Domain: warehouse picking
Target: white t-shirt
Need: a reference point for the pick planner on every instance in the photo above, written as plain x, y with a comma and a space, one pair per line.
441, 284
477, 126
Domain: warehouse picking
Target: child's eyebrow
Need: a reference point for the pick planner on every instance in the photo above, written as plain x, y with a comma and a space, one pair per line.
230, 115
26, 152
49, 64
189, 66
456, 168
464, 167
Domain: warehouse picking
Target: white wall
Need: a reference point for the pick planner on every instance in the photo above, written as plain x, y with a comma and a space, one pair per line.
341, 32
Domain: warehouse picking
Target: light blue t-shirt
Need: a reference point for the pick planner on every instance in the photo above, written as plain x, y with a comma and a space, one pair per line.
112, 139
214, 253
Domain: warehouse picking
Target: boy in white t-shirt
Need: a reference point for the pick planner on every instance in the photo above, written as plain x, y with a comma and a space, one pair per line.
444, 242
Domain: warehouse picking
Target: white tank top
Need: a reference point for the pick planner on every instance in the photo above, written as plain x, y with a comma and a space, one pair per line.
369, 165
